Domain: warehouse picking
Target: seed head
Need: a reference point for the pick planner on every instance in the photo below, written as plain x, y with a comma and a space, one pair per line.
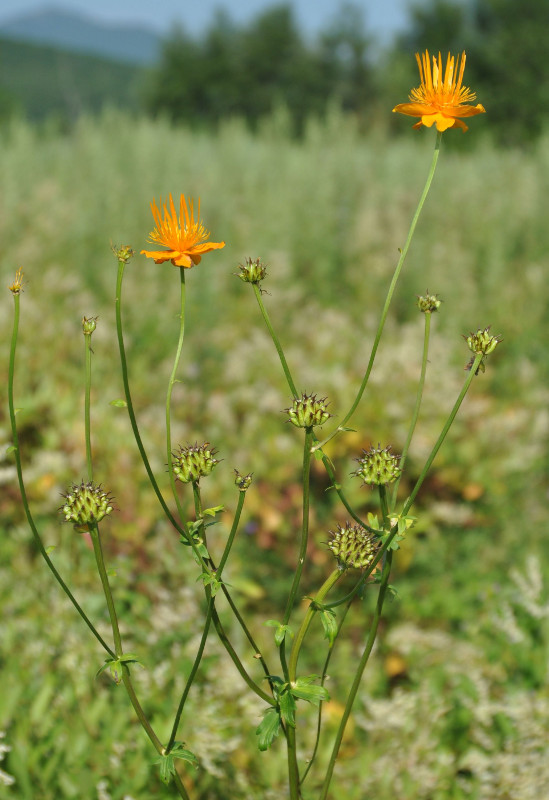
242, 481
194, 462
308, 411
378, 466
86, 504
353, 546
252, 271
481, 342
123, 253
428, 303
89, 324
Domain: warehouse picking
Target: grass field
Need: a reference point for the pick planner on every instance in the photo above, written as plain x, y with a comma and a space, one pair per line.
454, 704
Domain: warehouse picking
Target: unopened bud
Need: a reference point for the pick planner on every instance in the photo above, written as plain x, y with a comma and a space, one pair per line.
242, 481
378, 466
86, 504
194, 462
89, 324
252, 271
308, 411
353, 546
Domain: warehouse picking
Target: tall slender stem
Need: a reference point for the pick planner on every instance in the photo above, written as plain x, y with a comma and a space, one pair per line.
417, 406
171, 383
276, 341
87, 406
22, 489
396, 275
306, 479
359, 672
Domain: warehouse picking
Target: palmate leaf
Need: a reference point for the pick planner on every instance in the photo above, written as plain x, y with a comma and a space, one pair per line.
167, 761
305, 689
268, 729
287, 705
115, 665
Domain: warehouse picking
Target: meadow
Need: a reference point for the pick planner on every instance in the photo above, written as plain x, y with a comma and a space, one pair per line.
454, 703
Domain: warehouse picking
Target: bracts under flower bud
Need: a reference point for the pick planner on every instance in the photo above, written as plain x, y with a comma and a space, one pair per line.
86, 504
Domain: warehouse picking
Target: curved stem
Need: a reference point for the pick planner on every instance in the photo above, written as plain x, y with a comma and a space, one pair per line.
87, 404
396, 275
427, 466
129, 404
22, 489
171, 383
308, 618
305, 476
224, 639
415, 414
358, 676
322, 681
276, 341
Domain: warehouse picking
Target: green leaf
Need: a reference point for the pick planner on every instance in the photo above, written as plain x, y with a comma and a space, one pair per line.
119, 403
211, 512
268, 729
306, 690
329, 623
287, 707
11, 449
50, 548
112, 573
166, 761
281, 630
115, 665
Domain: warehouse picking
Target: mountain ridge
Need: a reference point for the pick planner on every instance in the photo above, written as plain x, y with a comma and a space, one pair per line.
79, 33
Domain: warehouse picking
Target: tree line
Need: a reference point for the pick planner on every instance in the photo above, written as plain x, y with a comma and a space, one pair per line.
249, 70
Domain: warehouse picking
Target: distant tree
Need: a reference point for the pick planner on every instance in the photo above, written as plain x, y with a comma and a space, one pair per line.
250, 71
505, 41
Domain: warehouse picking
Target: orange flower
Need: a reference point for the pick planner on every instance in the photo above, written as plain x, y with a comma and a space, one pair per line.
440, 100
186, 239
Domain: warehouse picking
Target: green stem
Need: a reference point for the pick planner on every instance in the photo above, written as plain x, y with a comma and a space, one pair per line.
415, 414
322, 681
409, 502
358, 676
99, 560
293, 769
129, 404
22, 489
276, 341
224, 639
308, 618
470, 376
87, 405
305, 478
403, 254
171, 383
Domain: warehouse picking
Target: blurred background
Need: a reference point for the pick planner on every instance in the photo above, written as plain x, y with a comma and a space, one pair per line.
279, 117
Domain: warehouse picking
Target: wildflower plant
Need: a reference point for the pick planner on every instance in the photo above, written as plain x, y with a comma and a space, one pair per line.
363, 549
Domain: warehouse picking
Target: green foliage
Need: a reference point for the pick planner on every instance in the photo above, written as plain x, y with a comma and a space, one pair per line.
504, 41
464, 614
249, 71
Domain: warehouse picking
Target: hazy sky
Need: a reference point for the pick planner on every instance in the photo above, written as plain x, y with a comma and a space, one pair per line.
382, 17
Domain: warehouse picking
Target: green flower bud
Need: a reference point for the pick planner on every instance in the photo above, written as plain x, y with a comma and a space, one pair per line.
89, 324
252, 271
378, 466
307, 411
194, 462
353, 546
86, 504
428, 303
242, 481
481, 342
123, 253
